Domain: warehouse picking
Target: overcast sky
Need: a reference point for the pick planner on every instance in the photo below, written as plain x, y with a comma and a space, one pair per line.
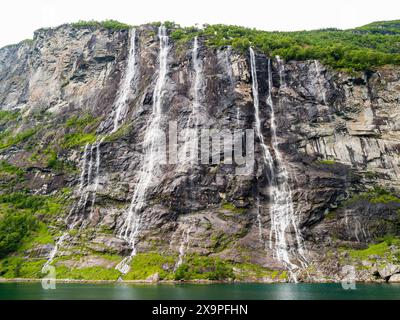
19, 18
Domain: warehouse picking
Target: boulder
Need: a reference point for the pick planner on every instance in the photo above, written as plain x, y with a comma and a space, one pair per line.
388, 270
395, 278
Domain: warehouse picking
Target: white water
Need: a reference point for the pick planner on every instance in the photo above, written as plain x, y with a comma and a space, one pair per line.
125, 88
259, 221
190, 134
281, 207
185, 242
320, 85
85, 179
82, 177
131, 227
267, 155
283, 212
97, 175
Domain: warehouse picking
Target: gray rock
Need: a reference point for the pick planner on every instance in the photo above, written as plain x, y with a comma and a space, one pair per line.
395, 278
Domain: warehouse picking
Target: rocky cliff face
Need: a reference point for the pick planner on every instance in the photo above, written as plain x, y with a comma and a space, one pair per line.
337, 134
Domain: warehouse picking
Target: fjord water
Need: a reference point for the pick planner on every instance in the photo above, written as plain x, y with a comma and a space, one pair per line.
287, 291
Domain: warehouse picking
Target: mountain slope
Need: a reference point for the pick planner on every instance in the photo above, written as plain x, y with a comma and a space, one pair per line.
80, 109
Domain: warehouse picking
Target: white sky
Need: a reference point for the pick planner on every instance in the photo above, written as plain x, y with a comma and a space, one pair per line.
19, 18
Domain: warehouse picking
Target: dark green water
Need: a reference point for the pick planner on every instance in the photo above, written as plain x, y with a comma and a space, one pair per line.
15, 291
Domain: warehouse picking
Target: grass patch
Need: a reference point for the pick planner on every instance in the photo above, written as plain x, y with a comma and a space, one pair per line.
89, 273
81, 131
232, 208
9, 139
10, 169
381, 249
7, 116
197, 267
246, 271
17, 267
81, 122
376, 195
121, 132
78, 139
327, 162
146, 264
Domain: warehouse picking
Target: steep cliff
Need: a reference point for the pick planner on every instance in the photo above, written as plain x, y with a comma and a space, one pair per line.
84, 110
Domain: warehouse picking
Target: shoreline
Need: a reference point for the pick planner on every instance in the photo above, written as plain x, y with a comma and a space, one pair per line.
173, 282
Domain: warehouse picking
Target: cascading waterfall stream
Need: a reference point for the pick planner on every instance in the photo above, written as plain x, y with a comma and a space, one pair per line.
283, 201
185, 242
85, 181
281, 208
320, 85
131, 226
190, 134
125, 88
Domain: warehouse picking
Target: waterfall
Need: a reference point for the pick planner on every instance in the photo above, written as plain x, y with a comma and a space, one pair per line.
320, 84
82, 177
125, 87
131, 226
121, 106
283, 213
260, 226
97, 174
85, 180
281, 208
190, 134
185, 241
268, 160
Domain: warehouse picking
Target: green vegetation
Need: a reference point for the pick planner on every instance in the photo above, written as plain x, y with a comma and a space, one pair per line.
6, 116
8, 168
89, 273
19, 224
327, 162
349, 50
78, 139
246, 271
8, 138
382, 27
197, 267
81, 123
375, 196
32, 203
380, 195
106, 24
231, 207
121, 132
18, 267
381, 249
146, 264
13, 228
81, 130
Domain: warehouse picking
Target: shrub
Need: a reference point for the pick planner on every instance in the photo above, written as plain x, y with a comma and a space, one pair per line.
201, 267
346, 50
13, 228
106, 24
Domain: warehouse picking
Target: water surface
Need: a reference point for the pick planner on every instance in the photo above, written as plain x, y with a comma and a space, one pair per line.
78, 291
